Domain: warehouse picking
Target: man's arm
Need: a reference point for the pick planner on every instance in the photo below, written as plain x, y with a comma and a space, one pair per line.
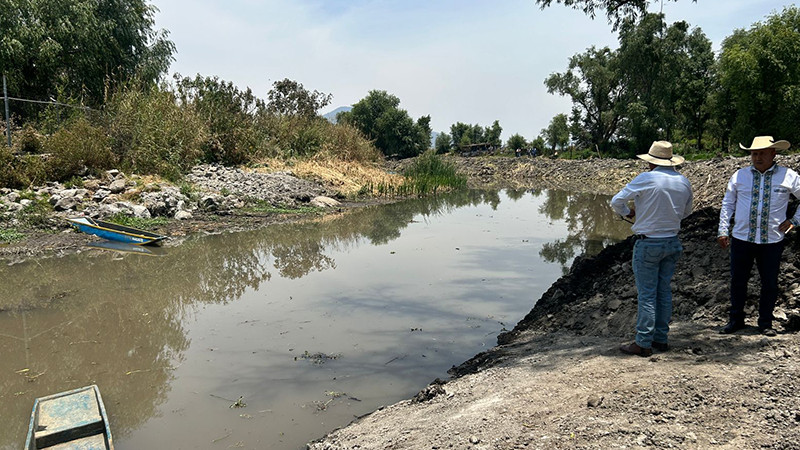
619, 203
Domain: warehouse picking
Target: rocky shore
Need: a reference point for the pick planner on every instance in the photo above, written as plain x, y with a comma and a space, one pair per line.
557, 379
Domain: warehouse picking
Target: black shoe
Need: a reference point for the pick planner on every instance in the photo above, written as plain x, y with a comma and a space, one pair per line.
732, 327
770, 332
660, 346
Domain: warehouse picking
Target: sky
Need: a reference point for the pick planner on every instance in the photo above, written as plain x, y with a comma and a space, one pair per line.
470, 61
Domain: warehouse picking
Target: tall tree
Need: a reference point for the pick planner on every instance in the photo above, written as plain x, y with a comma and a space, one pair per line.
288, 97
73, 49
395, 133
492, 134
593, 83
759, 69
516, 141
556, 134
616, 10
443, 143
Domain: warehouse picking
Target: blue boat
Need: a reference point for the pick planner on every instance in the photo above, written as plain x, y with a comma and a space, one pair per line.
115, 232
74, 419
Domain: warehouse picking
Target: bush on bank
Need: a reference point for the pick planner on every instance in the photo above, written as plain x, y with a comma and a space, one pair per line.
167, 130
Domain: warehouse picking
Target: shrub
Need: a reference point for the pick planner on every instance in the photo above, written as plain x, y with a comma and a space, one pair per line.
77, 147
151, 134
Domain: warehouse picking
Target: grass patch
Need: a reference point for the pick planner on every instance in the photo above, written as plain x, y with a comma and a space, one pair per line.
9, 235
430, 172
138, 222
36, 214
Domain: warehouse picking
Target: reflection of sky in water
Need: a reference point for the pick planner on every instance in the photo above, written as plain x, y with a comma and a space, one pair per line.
394, 295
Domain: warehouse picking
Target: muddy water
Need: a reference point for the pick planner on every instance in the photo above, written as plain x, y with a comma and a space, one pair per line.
310, 324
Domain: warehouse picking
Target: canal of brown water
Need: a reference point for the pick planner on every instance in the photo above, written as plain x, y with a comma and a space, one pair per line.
269, 339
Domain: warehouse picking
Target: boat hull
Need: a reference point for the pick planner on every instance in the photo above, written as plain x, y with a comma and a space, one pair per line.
115, 232
72, 419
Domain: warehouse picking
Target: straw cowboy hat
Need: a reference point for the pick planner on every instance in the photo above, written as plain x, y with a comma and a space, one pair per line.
660, 154
762, 142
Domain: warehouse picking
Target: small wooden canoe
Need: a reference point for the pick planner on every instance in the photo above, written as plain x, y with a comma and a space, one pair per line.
115, 232
74, 419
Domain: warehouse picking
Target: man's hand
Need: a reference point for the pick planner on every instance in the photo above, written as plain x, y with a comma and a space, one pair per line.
723, 242
631, 214
785, 226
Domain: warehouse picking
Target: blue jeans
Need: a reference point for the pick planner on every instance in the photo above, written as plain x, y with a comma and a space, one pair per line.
768, 261
653, 266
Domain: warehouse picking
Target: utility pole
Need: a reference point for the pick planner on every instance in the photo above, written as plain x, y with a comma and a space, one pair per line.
8, 120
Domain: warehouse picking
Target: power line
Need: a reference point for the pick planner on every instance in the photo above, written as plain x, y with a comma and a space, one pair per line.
49, 103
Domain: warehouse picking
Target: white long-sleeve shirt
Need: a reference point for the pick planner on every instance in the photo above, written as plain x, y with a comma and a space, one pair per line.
757, 204
662, 197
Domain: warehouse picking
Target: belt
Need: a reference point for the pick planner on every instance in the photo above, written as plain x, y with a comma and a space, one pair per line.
636, 237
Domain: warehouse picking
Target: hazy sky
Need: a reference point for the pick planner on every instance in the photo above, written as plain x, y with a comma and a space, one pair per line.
471, 61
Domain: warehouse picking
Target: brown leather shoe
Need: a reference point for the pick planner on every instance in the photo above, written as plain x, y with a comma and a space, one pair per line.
634, 349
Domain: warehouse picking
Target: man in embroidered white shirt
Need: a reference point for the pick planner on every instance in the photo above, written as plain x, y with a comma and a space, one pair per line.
756, 201
661, 198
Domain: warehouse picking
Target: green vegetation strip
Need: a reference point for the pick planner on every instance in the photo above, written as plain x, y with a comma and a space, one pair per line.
10, 235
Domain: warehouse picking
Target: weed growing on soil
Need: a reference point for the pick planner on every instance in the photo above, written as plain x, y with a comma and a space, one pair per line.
10, 235
36, 214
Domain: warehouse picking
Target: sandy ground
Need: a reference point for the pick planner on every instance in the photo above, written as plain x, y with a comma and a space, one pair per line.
560, 390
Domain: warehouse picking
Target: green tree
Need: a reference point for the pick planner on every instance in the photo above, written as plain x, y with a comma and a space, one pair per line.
395, 133
460, 134
443, 143
492, 134
593, 83
666, 73
615, 10
759, 71
229, 113
288, 97
516, 141
556, 135
74, 49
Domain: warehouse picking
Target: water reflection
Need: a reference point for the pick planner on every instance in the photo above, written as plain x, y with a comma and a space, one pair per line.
229, 315
591, 225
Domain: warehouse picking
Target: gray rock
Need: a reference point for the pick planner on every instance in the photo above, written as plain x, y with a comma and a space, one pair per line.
140, 211
117, 186
324, 202
183, 215
100, 195
67, 204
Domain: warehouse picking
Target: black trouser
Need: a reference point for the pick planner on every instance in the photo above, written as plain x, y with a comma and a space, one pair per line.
768, 261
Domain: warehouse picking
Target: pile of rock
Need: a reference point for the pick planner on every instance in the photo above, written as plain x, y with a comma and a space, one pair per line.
278, 188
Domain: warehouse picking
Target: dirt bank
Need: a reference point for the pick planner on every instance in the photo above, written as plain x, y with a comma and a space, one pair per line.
557, 379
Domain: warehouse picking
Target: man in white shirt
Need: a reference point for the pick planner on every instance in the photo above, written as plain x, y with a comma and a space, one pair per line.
661, 198
756, 201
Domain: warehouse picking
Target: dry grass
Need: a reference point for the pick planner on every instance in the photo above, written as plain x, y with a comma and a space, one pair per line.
349, 178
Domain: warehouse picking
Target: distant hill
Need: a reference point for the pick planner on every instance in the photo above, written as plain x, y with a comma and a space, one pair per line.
331, 116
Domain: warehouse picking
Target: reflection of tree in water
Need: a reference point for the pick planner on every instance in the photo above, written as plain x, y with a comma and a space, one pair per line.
591, 226
117, 321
